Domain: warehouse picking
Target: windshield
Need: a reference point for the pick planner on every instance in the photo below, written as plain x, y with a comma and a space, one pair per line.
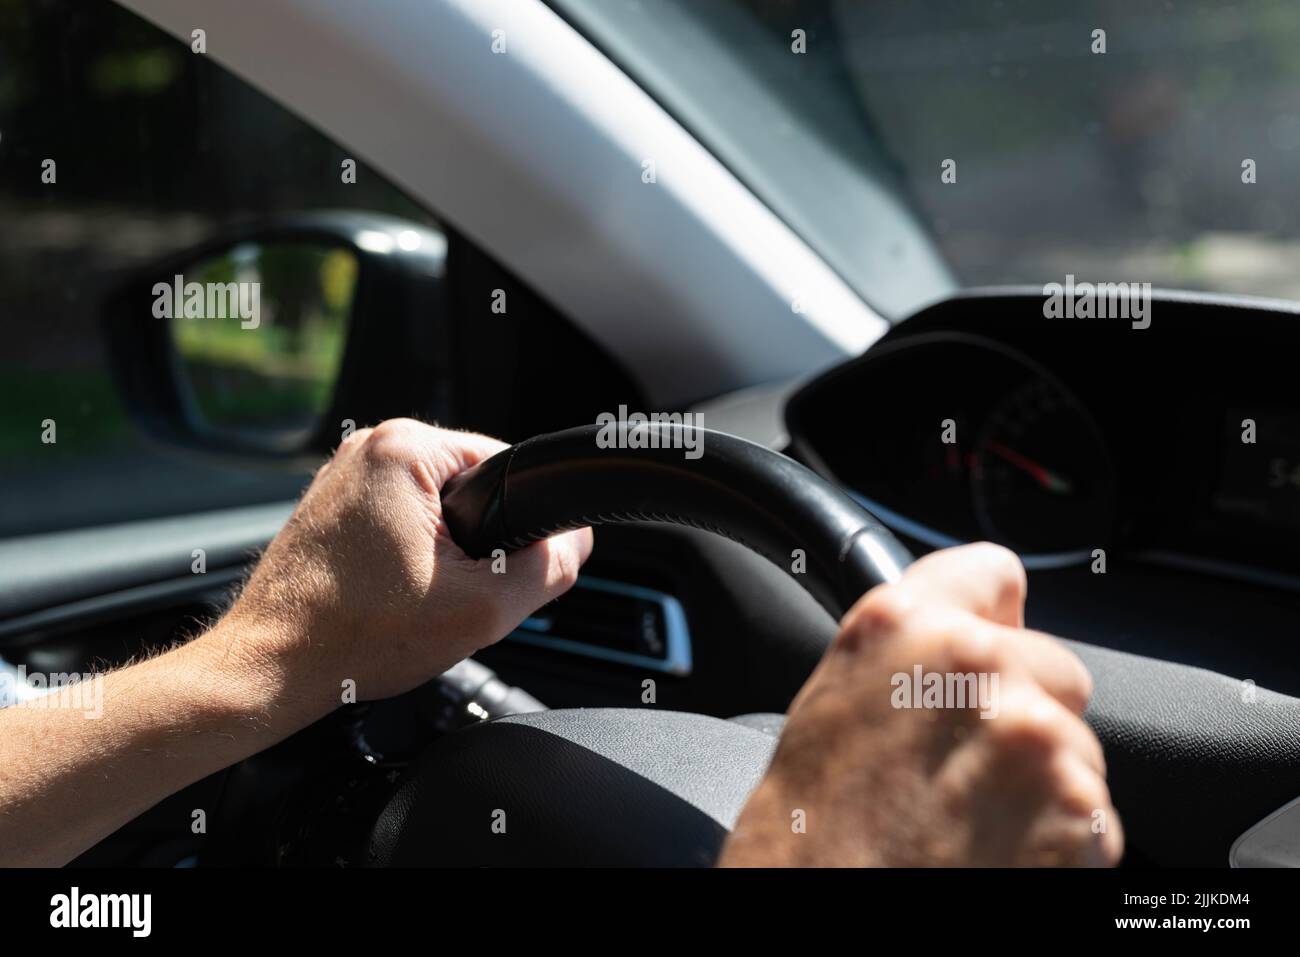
969, 142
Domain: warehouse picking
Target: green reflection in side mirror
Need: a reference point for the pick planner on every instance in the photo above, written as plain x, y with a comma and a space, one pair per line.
258, 335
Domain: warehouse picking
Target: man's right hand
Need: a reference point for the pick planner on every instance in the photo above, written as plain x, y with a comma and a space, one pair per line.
860, 780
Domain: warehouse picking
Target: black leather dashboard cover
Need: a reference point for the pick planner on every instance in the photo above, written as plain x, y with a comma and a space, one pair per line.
734, 488
608, 787
1193, 758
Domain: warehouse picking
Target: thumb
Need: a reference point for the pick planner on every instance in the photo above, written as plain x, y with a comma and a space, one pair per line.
534, 575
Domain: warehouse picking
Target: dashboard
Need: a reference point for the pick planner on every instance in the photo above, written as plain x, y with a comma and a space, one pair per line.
1074, 440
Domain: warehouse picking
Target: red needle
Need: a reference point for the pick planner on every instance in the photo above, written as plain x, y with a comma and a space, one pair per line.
1040, 474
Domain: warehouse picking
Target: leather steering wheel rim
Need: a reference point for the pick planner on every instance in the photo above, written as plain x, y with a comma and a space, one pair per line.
632, 786
662, 472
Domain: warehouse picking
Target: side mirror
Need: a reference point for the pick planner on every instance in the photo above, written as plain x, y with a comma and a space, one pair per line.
273, 340
257, 335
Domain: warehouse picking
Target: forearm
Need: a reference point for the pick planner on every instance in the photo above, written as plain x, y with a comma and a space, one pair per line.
69, 778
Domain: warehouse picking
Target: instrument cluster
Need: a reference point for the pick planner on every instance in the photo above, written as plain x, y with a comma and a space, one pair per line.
982, 418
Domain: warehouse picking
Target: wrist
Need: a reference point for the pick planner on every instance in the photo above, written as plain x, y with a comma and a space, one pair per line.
248, 673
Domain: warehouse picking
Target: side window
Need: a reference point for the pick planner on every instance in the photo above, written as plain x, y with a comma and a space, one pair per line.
120, 145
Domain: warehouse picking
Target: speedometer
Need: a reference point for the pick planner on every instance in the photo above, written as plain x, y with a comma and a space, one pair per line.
1041, 477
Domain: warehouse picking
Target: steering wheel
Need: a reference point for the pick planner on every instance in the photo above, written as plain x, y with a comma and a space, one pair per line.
641, 786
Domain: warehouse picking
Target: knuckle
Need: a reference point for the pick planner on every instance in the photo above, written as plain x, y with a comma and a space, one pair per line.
1077, 790
969, 646
355, 438
883, 612
1079, 685
1006, 568
396, 428
393, 441
1030, 730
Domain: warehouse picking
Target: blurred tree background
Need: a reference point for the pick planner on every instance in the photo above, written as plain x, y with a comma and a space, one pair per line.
1122, 165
